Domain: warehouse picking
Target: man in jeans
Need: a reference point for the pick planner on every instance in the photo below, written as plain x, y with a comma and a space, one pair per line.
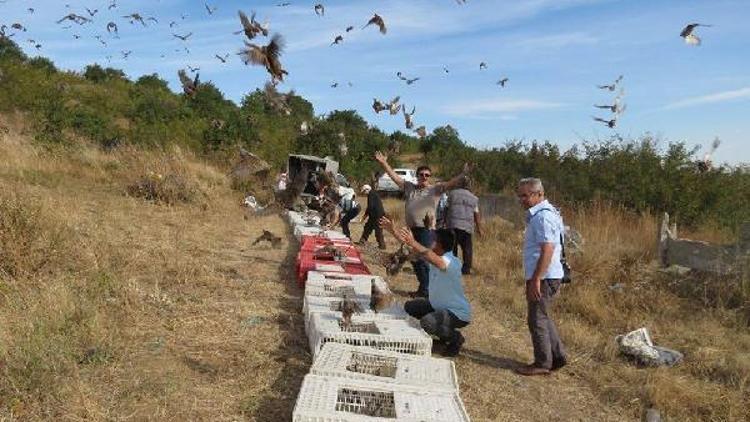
447, 308
373, 212
543, 272
421, 201
462, 216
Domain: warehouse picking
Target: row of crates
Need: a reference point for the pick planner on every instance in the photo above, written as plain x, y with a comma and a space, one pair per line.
378, 365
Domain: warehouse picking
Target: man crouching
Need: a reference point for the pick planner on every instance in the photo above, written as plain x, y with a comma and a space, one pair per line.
447, 308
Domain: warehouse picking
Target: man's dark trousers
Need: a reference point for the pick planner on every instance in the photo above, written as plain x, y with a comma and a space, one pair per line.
441, 324
463, 239
548, 349
373, 224
348, 216
421, 268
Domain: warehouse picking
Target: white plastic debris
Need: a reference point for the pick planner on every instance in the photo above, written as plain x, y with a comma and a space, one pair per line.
638, 345
573, 240
252, 203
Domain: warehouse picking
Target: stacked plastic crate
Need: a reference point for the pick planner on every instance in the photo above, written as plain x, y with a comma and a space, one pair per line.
373, 363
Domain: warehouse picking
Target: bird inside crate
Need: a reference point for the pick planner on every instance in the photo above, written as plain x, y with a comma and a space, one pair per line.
371, 364
377, 404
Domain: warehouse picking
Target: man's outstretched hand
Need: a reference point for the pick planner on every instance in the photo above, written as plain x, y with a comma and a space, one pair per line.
404, 235
380, 157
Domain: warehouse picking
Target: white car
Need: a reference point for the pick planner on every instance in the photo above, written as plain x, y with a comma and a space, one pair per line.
387, 185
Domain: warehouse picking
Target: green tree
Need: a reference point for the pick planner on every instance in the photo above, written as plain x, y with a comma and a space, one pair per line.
95, 73
10, 51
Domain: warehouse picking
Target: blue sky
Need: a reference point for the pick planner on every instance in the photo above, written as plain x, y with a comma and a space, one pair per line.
553, 51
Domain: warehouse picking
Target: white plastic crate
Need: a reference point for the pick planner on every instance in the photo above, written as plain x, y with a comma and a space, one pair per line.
304, 230
345, 361
334, 235
402, 336
319, 278
322, 276
307, 217
331, 285
329, 305
316, 303
313, 303
300, 230
324, 399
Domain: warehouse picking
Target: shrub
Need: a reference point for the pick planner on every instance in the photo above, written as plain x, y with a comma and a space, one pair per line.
10, 50
44, 64
95, 73
169, 188
52, 119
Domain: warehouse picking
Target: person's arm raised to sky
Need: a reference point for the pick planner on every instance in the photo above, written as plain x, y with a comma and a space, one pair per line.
383, 160
458, 180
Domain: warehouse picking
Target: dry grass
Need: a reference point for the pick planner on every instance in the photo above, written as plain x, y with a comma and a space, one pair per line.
115, 308
156, 312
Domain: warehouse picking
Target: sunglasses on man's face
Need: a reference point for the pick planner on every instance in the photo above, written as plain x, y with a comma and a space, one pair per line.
424, 175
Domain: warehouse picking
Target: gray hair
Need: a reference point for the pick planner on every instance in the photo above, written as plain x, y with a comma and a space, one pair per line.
532, 182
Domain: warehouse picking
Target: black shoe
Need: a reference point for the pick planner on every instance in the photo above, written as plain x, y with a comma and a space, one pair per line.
454, 347
558, 364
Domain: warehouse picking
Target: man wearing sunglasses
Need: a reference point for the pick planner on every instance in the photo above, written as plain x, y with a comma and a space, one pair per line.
420, 206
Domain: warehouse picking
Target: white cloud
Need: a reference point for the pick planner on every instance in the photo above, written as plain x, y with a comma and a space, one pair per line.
719, 97
481, 108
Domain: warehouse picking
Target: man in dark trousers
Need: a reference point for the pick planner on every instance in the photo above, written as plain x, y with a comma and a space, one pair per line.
543, 272
421, 200
373, 212
462, 216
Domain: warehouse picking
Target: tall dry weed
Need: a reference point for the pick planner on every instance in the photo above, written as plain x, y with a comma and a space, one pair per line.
168, 177
31, 239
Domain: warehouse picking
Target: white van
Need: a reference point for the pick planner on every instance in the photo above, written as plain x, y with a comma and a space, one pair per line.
387, 185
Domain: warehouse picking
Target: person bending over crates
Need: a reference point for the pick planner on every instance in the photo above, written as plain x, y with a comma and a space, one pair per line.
446, 308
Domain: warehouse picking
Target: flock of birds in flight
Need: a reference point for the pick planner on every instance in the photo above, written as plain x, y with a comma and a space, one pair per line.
268, 55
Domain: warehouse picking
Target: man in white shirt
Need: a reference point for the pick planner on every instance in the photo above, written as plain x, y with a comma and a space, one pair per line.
543, 272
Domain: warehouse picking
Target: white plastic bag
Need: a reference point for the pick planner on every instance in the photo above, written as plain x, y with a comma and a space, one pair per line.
638, 345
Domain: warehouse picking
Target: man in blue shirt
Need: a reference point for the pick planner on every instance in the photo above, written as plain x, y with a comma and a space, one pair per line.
543, 272
446, 309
